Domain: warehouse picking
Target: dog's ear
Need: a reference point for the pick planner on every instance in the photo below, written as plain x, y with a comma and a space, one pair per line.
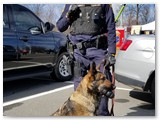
93, 68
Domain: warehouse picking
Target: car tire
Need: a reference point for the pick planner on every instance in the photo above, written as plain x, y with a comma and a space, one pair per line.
153, 89
60, 69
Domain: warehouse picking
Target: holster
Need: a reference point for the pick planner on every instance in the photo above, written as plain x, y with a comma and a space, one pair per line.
102, 42
70, 49
69, 60
69, 63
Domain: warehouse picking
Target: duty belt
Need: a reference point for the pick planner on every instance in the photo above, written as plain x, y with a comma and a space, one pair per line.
86, 44
99, 43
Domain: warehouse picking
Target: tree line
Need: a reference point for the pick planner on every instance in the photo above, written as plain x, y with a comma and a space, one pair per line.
133, 14
137, 14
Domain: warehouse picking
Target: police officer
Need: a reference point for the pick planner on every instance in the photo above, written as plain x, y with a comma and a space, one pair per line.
93, 36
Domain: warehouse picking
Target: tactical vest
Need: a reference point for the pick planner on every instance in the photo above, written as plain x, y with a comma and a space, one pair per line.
91, 20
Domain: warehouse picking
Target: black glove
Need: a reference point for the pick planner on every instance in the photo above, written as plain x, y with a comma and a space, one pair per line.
110, 59
73, 14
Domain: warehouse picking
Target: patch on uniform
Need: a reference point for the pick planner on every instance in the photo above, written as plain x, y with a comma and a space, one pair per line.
110, 5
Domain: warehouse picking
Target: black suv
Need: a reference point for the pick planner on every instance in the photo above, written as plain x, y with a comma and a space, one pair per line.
30, 47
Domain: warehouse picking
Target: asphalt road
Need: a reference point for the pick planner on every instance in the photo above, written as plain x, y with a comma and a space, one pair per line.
40, 97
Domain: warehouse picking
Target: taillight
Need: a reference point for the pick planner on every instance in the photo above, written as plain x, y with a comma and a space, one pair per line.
125, 45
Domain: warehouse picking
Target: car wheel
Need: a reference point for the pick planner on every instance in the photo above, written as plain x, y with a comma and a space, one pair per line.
153, 90
61, 71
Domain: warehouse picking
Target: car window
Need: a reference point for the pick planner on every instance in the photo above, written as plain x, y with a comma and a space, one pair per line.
24, 19
5, 18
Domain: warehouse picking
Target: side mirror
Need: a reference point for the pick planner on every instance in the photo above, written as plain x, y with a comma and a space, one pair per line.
35, 30
49, 26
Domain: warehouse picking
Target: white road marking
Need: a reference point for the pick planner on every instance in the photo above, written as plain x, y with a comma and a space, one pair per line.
127, 89
27, 66
35, 96
26, 62
49, 92
69, 82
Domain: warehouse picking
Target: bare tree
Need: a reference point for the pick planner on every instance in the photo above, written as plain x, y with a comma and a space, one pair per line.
135, 14
36, 8
145, 15
138, 10
49, 13
43, 11
129, 15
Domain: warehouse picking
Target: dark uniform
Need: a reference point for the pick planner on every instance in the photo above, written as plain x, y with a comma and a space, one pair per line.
91, 25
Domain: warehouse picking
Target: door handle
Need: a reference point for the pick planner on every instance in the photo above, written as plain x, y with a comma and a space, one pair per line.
24, 38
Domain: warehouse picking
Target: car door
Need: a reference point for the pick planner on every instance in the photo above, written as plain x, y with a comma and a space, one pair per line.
10, 42
35, 50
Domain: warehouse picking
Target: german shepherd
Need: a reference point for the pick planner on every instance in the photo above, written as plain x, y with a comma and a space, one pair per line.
85, 100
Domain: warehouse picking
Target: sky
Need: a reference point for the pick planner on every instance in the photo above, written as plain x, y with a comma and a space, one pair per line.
58, 10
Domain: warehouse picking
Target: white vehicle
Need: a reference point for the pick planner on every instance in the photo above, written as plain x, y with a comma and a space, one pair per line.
135, 62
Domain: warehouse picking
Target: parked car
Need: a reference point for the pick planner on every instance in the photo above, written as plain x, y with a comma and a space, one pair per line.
30, 47
135, 62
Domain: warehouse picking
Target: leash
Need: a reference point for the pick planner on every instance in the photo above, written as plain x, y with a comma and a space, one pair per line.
113, 82
113, 99
113, 67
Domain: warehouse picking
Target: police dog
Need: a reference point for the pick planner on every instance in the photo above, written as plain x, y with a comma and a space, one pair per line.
85, 100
